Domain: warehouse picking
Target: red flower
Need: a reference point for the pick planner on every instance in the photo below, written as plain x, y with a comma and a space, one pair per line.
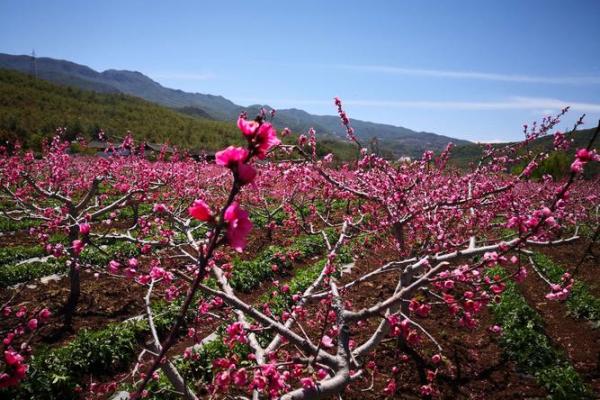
235, 158
266, 138
200, 211
238, 226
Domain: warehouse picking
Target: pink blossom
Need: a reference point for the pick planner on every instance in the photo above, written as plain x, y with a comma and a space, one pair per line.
426, 390
222, 380
158, 273
235, 159
259, 382
12, 357
9, 338
160, 208
32, 324
551, 296
187, 353
491, 256
521, 275
240, 377
200, 211
113, 266
84, 228
390, 388
246, 173
231, 156
171, 293
266, 139
78, 246
422, 310
238, 226
236, 334
449, 284
436, 358
307, 383
577, 166
45, 313
326, 341
248, 128
322, 374
584, 155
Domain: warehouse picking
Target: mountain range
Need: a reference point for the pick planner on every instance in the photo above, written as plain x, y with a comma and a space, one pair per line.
399, 141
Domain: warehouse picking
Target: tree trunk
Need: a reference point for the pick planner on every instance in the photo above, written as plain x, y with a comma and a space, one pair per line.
74, 279
74, 292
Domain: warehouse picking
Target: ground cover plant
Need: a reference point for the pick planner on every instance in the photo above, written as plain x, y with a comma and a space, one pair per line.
305, 278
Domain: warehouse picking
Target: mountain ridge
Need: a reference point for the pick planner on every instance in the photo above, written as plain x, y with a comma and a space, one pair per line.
401, 141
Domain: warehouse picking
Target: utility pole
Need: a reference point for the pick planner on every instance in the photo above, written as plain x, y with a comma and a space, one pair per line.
33, 63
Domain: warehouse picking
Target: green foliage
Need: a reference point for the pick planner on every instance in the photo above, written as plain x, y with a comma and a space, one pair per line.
94, 256
563, 382
525, 342
301, 280
55, 373
13, 274
247, 274
19, 253
8, 225
260, 220
31, 109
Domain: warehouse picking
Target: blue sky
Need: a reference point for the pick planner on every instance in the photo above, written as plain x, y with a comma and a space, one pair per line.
475, 70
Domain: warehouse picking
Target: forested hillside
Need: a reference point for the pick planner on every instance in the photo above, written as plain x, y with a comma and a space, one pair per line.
32, 109
557, 164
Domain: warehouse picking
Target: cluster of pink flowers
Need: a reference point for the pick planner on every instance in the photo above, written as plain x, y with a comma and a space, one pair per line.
15, 368
402, 328
267, 379
419, 308
582, 157
235, 158
261, 136
561, 291
235, 334
345, 120
561, 142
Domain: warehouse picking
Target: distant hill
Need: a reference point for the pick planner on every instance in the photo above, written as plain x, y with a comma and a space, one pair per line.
400, 141
31, 110
557, 165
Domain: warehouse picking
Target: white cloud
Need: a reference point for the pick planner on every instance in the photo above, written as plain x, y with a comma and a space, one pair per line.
184, 76
476, 75
513, 103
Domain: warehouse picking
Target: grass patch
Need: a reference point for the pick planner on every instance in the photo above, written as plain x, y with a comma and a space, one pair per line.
525, 342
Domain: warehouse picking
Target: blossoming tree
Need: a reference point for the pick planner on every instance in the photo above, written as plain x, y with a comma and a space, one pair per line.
440, 230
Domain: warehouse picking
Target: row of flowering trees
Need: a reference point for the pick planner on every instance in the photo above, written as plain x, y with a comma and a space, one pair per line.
445, 228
